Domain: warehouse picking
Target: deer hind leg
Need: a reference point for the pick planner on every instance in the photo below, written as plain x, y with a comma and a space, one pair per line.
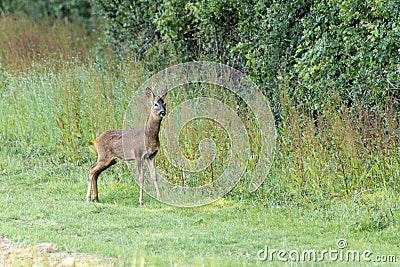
95, 171
152, 171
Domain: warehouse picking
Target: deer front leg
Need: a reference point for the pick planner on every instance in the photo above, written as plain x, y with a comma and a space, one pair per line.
88, 197
152, 171
95, 191
141, 181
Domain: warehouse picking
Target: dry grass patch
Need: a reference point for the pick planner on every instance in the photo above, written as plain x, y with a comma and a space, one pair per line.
45, 254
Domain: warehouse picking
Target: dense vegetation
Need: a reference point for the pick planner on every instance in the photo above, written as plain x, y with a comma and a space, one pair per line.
349, 47
330, 69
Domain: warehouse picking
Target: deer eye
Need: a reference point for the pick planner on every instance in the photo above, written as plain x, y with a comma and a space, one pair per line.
156, 104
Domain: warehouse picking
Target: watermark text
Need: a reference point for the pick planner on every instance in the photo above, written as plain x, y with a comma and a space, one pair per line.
334, 254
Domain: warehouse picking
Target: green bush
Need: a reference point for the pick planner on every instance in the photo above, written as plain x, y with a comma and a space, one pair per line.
351, 46
70, 10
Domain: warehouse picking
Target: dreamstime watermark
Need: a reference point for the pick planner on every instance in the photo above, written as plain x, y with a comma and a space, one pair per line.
340, 253
204, 80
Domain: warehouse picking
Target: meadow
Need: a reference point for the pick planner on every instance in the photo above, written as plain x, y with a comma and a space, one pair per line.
333, 178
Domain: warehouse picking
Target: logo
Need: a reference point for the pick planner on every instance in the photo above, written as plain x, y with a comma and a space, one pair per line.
214, 94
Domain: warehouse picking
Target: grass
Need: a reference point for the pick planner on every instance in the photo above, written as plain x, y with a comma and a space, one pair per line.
25, 43
46, 204
335, 176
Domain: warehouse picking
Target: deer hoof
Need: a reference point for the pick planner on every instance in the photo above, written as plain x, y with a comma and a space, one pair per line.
141, 202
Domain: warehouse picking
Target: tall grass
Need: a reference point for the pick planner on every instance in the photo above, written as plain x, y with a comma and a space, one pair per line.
55, 110
54, 94
24, 44
341, 152
65, 110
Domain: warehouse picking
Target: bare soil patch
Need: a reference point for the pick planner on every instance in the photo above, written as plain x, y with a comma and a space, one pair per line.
45, 254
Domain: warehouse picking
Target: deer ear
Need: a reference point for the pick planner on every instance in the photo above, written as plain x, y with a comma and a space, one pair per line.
164, 93
149, 93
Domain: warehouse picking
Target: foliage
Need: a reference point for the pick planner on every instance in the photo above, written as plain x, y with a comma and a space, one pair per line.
254, 36
346, 46
38, 10
351, 46
129, 26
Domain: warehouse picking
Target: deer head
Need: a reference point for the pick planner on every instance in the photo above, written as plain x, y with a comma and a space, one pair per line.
158, 108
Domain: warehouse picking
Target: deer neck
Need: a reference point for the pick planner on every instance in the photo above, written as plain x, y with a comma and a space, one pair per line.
151, 131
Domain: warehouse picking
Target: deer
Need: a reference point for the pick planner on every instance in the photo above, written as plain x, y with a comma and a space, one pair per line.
140, 144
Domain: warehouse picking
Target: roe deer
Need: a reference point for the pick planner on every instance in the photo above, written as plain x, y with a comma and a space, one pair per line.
140, 144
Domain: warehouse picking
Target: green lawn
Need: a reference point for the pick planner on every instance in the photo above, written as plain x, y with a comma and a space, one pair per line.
45, 203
